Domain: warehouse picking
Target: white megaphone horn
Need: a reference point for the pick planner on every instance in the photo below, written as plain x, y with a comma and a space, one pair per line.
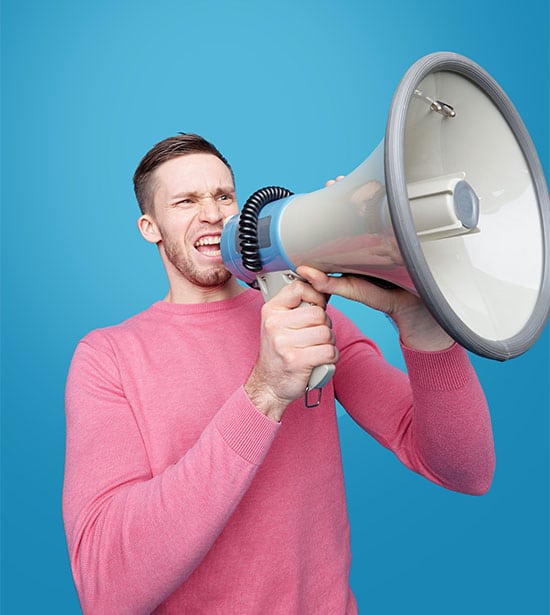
452, 206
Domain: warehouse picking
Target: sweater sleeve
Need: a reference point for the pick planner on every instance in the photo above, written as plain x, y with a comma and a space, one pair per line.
435, 419
133, 538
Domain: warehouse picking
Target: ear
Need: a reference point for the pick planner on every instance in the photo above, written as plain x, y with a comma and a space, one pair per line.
149, 229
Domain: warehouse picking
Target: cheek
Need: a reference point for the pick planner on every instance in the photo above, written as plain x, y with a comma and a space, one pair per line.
174, 240
178, 226
234, 209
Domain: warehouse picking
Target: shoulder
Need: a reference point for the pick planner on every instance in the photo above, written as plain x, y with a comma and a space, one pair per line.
105, 338
97, 355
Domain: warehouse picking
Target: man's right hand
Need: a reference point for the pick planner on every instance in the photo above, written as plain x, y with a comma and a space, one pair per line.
293, 341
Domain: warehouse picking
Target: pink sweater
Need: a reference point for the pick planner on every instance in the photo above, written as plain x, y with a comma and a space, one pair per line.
181, 497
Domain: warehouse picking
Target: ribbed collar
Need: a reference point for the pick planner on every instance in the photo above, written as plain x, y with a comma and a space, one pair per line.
185, 309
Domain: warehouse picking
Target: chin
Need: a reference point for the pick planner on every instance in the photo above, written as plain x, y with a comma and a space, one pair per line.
219, 277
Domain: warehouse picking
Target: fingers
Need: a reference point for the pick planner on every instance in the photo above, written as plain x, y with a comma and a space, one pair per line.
300, 307
296, 336
317, 279
357, 289
333, 181
293, 295
417, 327
319, 335
312, 356
309, 324
345, 286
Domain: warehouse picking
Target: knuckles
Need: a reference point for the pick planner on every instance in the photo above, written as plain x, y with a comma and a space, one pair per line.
300, 291
318, 315
310, 324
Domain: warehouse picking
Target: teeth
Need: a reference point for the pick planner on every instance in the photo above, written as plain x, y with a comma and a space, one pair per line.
208, 241
212, 241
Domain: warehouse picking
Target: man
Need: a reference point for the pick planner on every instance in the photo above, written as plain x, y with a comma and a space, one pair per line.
196, 481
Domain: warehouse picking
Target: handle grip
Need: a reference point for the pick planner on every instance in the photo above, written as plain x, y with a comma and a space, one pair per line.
270, 284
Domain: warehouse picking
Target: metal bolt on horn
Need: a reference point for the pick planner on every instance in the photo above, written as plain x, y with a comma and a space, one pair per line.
438, 106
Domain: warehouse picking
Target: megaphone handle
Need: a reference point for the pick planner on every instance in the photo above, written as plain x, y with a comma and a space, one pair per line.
270, 284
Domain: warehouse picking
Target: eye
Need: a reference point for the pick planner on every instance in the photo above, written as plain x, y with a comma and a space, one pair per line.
185, 202
224, 197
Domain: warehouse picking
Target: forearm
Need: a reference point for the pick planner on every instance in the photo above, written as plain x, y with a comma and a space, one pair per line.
441, 428
450, 436
140, 537
437, 423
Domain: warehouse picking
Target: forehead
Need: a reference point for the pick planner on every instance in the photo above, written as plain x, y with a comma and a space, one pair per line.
199, 173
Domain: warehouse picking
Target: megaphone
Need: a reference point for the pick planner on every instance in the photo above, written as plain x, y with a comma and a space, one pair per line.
452, 205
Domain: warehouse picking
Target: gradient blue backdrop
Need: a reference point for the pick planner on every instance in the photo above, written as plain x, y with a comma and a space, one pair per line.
293, 92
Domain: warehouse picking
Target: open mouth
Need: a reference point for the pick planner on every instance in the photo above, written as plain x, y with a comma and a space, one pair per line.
209, 245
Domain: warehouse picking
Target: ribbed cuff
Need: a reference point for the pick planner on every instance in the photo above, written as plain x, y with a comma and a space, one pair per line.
245, 429
444, 370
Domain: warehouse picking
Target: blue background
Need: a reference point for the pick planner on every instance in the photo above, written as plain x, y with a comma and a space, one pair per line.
293, 93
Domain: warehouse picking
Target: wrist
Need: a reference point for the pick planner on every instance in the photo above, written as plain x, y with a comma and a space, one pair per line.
264, 400
420, 331
433, 341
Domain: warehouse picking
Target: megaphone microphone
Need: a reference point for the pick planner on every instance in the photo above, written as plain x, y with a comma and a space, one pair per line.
452, 205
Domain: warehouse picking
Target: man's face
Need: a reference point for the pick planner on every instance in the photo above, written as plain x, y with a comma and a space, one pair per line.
193, 194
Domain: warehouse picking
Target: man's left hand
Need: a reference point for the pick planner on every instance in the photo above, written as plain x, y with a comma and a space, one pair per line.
417, 327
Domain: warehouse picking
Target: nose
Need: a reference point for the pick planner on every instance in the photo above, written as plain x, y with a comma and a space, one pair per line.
210, 211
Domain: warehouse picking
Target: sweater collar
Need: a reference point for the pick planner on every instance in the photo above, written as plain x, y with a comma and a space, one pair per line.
239, 301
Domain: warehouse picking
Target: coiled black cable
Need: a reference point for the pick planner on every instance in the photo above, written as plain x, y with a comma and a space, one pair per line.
248, 224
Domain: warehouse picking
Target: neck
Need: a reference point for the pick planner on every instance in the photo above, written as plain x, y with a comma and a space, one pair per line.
199, 294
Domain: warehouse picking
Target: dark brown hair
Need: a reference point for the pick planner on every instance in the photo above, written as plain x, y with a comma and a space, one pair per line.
172, 147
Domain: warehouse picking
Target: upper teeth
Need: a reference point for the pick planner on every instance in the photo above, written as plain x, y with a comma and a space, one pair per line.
208, 241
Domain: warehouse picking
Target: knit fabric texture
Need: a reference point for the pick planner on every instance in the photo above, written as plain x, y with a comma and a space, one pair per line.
181, 497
